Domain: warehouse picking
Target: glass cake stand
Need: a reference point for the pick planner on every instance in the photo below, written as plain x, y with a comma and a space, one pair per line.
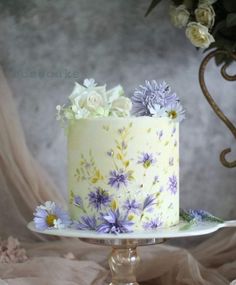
124, 258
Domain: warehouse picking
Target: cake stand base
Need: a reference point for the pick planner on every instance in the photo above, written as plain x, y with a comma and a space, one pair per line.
123, 259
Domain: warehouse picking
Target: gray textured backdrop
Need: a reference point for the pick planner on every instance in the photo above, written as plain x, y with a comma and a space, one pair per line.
46, 45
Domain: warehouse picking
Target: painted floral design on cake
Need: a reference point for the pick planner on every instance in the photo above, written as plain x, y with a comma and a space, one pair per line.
130, 189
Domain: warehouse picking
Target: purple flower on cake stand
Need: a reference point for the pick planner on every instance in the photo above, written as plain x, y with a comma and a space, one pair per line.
131, 206
173, 184
118, 178
99, 198
153, 224
150, 94
86, 223
149, 202
113, 222
146, 159
195, 216
49, 215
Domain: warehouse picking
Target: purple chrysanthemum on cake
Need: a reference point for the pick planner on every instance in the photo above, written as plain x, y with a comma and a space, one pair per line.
153, 224
86, 223
132, 206
149, 202
156, 100
99, 198
173, 184
118, 178
146, 159
113, 222
50, 215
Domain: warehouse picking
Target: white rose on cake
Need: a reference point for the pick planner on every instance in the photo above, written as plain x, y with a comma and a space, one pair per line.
121, 106
179, 16
199, 35
90, 100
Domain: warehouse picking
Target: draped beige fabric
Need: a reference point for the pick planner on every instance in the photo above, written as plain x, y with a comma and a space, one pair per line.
24, 184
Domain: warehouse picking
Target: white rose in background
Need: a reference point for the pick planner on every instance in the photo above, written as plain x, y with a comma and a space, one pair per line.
199, 35
121, 106
205, 15
179, 16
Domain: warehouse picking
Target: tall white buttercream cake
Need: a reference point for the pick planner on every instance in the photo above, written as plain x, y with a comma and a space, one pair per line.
125, 166
123, 157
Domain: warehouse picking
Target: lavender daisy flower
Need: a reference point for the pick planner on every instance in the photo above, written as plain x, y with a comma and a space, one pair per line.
175, 112
153, 224
131, 206
112, 222
99, 198
151, 94
149, 202
173, 184
147, 159
86, 223
118, 179
49, 215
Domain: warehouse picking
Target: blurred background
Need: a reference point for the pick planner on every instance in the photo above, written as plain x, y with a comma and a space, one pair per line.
45, 46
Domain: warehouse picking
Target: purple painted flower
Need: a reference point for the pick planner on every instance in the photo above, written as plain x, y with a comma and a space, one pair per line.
113, 222
173, 184
150, 94
153, 224
99, 198
155, 180
160, 134
171, 161
86, 223
146, 159
78, 202
49, 215
173, 131
118, 178
131, 206
149, 202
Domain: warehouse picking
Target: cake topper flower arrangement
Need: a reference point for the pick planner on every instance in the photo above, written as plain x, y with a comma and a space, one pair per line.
152, 99
91, 100
208, 23
157, 100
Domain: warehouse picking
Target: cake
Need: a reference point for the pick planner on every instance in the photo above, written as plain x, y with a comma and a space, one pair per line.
123, 169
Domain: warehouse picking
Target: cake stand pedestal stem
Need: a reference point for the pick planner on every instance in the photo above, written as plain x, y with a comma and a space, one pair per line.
123, 263
124, 259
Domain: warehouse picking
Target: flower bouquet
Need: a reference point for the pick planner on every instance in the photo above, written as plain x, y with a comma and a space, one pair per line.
208, 24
